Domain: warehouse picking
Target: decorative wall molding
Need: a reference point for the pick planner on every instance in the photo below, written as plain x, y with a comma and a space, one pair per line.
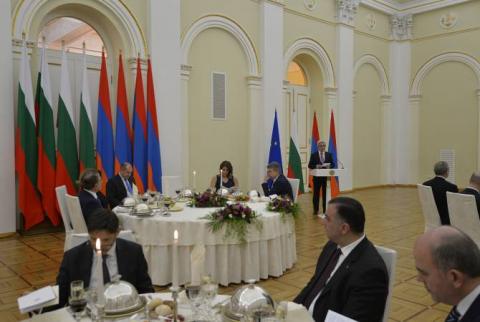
312, 48
402, 26
416, 89
310, 4
228, 25
26, 11
346, 10
448, 20
412, 7
375, 62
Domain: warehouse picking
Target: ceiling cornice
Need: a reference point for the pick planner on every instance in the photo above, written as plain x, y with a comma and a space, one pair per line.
411, 7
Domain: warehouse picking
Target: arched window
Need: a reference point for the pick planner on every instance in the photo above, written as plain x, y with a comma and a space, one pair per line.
74, 33
296, 75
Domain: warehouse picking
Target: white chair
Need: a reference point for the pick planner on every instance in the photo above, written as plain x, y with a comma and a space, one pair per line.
78, 239
170, 184
429, 207
61, 191
76, 215
464, 214
295, 184
389, 256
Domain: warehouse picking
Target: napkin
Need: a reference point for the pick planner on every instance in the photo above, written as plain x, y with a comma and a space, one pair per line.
37, 299
335, 317
298, 313
197, 263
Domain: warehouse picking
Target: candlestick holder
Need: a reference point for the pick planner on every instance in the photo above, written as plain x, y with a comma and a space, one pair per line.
175, 291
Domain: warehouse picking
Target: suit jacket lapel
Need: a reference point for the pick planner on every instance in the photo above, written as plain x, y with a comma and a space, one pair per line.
121, 261
346, 264
85, 267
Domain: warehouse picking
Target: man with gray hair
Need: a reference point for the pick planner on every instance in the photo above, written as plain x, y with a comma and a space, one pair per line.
440, 186
121, 186
473, 189
448, 264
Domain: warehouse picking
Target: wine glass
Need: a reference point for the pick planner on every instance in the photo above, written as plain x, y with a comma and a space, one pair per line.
209, 292
144, 197
193, 293
77, 299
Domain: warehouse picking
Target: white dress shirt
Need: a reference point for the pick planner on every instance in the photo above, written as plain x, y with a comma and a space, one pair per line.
111, 264
345, 251
466, 302
126, 187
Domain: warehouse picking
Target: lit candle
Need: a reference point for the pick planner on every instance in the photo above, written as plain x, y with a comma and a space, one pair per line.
99, 274
221, 180
194, 180
174, 259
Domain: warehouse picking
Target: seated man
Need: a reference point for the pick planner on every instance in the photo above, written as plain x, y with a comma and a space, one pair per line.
89, 195
120, 186
473, 189
350, 278
440, 186
123, 258
448, 264
276, 183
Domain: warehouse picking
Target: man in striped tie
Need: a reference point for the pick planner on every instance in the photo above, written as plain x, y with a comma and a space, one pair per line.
121, 186
448, 264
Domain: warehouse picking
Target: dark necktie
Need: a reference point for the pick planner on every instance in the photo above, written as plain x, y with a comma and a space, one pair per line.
453, 316
106, 274
322, 280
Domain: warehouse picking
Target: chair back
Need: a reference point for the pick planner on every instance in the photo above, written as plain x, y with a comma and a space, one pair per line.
170, 184
61, 191
78, 239
389, 256
76, 215
463, 213
429, 207
295, 184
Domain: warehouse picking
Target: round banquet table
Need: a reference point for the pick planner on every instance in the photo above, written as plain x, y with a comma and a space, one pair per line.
268, 252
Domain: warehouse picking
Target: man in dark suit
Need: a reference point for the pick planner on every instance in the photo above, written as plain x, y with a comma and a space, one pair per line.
350, 278
276, 183
473, 189
124, 258
440, 186
448, 264
90, 196
120, 186
320, 160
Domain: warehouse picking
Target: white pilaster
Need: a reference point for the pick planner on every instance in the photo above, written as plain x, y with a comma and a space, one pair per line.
256, 159
7, 141
413, 138
386, 140
271, 62
400, 65
164, 47
346, 10
185, 76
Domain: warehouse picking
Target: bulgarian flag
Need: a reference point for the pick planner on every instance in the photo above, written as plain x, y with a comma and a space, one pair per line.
46, 142
294, 161
313, 144
87, 150
67, 157
26, 148
332, 149
153, 139
140, 173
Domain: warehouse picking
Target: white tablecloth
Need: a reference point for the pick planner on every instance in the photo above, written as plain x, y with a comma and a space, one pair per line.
268, 252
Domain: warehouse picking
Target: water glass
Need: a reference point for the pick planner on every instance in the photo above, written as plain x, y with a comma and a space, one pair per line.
77, 300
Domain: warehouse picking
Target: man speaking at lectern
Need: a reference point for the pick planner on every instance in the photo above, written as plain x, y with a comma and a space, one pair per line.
320, 160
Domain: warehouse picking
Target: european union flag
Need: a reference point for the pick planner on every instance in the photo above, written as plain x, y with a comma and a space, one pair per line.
275, 149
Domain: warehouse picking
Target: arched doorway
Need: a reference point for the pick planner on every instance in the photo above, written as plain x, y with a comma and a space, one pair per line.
304, 94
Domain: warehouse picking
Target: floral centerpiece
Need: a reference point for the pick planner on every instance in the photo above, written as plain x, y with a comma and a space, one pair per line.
285, 206
208, 199
236, 218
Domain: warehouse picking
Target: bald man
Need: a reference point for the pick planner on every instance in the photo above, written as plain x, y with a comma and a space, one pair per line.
448, 264
474, 189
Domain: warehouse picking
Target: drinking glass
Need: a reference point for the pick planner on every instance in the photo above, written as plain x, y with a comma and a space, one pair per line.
77, 299
282, 311
209, 292
194, 295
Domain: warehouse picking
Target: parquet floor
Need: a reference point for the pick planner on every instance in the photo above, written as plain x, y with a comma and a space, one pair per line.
394, 220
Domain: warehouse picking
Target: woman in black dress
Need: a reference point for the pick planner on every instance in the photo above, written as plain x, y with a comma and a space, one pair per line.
227, 180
